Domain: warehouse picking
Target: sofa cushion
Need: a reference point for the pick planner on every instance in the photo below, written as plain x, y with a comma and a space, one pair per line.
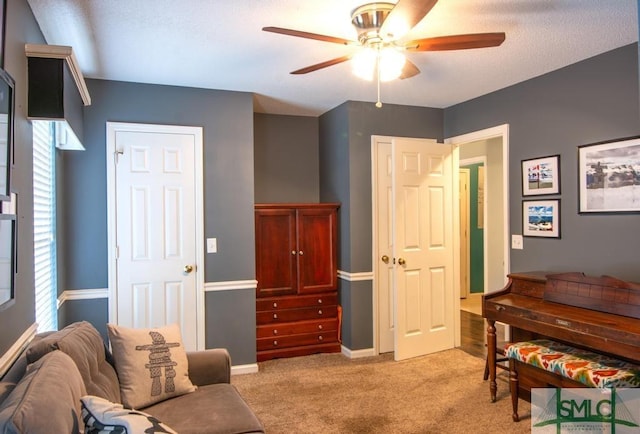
215, 408
47, 398
102, 416
82, 342
152, 364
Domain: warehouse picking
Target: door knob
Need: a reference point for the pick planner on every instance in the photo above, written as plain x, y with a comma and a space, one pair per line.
188, 268
401, 261
385, 259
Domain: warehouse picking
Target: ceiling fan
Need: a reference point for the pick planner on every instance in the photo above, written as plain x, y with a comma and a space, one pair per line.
381, 27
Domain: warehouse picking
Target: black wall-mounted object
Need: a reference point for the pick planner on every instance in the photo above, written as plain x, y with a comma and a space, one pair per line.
53, 94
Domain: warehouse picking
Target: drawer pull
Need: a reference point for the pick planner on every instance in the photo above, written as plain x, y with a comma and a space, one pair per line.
275, 304
500, 308
275, 316
320, 338
275, 343
319, 301
275, 332
319, 311
320, 327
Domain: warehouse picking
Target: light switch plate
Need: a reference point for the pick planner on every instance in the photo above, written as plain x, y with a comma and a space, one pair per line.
516, 242
212, 245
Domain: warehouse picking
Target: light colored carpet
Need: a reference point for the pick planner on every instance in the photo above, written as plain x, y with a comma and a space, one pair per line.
329, 393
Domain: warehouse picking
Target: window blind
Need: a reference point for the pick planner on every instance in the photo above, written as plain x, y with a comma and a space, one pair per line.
44, 225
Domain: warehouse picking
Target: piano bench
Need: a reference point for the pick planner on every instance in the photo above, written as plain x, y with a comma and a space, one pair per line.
546, 363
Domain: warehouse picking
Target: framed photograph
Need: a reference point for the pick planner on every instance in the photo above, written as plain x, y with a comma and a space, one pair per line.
7, 257
541, 176
609, 176
541, 218
3, 25
6, 133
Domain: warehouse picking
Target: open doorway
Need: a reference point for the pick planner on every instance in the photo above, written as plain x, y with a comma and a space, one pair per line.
484, 156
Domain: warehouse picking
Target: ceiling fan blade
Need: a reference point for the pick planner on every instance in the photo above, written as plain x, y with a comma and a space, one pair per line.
409, 70
404, 15
456, 42
308, 35
322, 65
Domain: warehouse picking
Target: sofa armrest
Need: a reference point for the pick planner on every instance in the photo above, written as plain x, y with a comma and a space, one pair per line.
209, 366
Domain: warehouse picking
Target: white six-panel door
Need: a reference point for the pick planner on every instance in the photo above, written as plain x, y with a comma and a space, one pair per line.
424, 224
156, 239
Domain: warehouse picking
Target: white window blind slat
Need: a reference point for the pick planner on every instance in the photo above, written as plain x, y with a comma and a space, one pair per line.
44, 226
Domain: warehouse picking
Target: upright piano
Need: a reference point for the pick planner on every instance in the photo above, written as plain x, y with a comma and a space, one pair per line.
601, 314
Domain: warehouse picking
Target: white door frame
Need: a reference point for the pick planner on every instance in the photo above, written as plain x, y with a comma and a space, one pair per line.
112, 128
500, 131
485, 216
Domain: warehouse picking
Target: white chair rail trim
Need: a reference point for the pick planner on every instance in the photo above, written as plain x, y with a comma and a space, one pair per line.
7, 359
230, 285
355, 277
82, 294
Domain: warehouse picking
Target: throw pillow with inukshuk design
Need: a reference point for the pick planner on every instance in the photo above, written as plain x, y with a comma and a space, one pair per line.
151, 363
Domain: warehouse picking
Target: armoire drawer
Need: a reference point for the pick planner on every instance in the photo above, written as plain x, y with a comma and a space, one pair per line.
296, 340
288, 315
296, 328
277, 303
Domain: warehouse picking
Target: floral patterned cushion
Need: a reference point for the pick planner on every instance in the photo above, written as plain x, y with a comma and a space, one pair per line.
591, 369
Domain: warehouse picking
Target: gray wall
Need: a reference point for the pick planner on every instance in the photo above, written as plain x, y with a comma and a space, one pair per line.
591, 101
286, 158
227, 120
345, 177
18, 315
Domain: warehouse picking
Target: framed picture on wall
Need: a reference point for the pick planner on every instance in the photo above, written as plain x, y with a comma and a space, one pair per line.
541, 218
3, 22
541, 176
7, 257
609, 176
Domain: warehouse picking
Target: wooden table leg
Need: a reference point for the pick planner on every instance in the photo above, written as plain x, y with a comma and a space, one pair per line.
513, 387
491, 358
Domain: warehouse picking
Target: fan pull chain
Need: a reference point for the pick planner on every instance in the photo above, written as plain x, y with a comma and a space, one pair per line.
378, 103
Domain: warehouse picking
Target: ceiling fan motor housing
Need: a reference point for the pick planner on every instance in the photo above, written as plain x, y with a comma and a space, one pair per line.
367, 20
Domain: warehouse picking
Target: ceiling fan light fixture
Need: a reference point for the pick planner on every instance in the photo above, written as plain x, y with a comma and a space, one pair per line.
390, 63
364, 62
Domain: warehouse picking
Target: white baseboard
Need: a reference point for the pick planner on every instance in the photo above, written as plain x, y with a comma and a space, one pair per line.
357, 354
16, 349
244, 369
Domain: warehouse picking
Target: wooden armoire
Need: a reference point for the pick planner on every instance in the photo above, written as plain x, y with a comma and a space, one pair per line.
296, 268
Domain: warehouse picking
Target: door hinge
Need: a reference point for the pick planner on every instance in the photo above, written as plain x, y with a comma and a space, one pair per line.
117, 252
116, 153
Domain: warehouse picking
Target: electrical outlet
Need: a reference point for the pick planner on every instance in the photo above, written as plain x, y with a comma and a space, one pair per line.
212, 245
516, 242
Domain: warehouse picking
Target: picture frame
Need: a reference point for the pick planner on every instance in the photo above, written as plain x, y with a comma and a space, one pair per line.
7, 105
609, 176
7, 258
3, 26
541, 176
541, 218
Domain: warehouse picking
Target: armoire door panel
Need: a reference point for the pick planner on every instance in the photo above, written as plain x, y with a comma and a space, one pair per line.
276, 258
316, 255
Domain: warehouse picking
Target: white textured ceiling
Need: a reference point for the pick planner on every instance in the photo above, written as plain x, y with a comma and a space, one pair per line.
219, 44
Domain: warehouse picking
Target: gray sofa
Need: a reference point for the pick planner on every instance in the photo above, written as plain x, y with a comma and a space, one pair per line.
41, 392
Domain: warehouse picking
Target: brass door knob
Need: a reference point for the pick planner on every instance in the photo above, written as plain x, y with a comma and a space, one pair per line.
385, 259
401, 261
188, 268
